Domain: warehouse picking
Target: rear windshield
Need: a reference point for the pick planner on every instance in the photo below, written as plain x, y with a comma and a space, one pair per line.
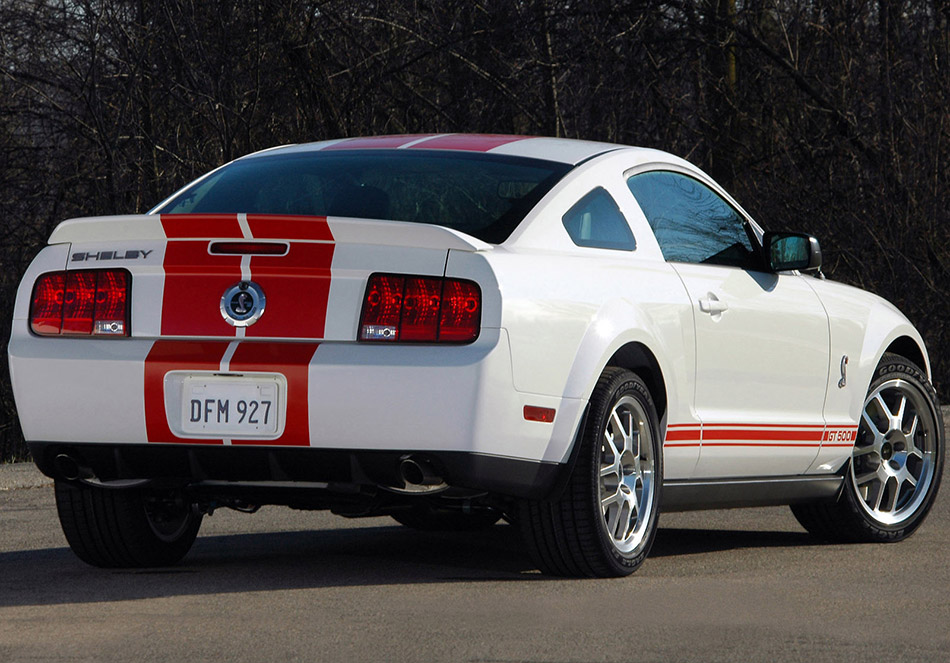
483, 195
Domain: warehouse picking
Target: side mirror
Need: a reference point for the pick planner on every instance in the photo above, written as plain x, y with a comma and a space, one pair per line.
788, 251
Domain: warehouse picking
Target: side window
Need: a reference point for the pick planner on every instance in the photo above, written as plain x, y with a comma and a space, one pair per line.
596, 221
691, 222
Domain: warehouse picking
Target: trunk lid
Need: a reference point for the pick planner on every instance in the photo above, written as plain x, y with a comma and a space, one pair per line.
188, 269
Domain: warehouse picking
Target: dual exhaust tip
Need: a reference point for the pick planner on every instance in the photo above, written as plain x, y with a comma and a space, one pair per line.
419, 475
71, 469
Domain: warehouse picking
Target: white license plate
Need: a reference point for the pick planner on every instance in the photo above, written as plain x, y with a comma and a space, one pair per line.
231, 406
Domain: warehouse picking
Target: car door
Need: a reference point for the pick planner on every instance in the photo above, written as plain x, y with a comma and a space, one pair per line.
762, 339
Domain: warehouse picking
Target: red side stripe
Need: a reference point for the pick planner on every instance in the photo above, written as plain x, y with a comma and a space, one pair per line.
168, 356
292, 360
676, 435
758, 444
747, 434
812, 426
468, 142
187, 226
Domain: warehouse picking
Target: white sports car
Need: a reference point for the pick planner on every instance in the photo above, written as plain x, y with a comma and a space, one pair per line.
451, 329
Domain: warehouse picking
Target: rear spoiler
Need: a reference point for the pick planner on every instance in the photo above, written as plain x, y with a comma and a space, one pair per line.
344, 231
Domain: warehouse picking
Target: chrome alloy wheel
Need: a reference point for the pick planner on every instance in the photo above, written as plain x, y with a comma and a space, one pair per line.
626, 488
892, 463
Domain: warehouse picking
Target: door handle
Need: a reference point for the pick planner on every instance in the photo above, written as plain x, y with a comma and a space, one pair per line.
711, 304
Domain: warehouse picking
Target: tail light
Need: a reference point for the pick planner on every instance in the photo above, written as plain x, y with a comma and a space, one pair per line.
81, 303
420, 309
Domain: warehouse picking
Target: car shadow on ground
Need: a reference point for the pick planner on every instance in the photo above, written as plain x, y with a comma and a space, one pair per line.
274, 561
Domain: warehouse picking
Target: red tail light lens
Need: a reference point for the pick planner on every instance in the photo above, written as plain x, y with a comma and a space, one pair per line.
46, 311
81, 303
461, 312
420, 309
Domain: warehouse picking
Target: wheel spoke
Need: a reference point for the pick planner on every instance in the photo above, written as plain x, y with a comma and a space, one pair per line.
879, 496
865, 478
913, 427
870, 422
863, 451
895, 493
899, 415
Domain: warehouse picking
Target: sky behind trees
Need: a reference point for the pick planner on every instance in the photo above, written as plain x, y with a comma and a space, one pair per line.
823, 117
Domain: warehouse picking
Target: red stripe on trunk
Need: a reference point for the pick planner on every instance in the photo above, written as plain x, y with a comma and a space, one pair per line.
292, 360
195, 280
297, 287
188, 226
268, 226
168, 356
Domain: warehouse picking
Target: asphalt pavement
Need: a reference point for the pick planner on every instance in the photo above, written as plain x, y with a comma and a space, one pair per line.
740, 585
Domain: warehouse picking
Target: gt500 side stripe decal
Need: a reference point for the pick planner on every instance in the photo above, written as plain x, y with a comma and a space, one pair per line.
759, 435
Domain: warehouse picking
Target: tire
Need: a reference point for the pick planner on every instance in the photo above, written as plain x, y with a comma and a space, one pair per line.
428, 518
576, 535
124, 528
896, 463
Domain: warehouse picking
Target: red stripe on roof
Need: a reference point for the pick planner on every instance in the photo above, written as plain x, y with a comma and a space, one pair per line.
372, 142
468, 142
165, 356
271, 226
185, 226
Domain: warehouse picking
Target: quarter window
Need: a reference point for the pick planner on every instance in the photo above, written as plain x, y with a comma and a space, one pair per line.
691, 222
597, 222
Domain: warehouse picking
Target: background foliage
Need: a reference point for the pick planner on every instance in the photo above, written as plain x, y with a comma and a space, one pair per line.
826, 117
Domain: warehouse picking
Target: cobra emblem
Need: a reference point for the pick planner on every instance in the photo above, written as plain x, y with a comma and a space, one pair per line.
242, 304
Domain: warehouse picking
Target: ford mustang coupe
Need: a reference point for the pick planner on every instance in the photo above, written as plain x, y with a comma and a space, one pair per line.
452, 329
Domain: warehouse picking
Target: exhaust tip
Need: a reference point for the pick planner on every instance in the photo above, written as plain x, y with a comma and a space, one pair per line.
418, 472
70, 469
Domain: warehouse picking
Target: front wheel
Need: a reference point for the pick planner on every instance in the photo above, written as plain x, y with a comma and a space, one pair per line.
605, 522
896, 462
122, 528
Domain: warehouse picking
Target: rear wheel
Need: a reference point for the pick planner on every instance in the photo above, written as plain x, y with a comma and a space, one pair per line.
605, 522
120, 528
896, 462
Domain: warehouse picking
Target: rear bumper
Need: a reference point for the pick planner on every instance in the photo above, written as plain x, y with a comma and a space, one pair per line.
200, 464
448, 402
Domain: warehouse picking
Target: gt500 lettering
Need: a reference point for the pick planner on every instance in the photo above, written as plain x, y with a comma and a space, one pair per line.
132, 254
841, 435
211, 410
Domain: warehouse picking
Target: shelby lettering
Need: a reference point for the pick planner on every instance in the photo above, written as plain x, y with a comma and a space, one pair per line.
111, 255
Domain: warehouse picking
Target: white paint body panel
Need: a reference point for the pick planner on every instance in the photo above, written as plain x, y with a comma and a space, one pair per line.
553, 316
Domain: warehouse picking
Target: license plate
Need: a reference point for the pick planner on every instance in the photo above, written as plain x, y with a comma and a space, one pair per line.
230, 406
